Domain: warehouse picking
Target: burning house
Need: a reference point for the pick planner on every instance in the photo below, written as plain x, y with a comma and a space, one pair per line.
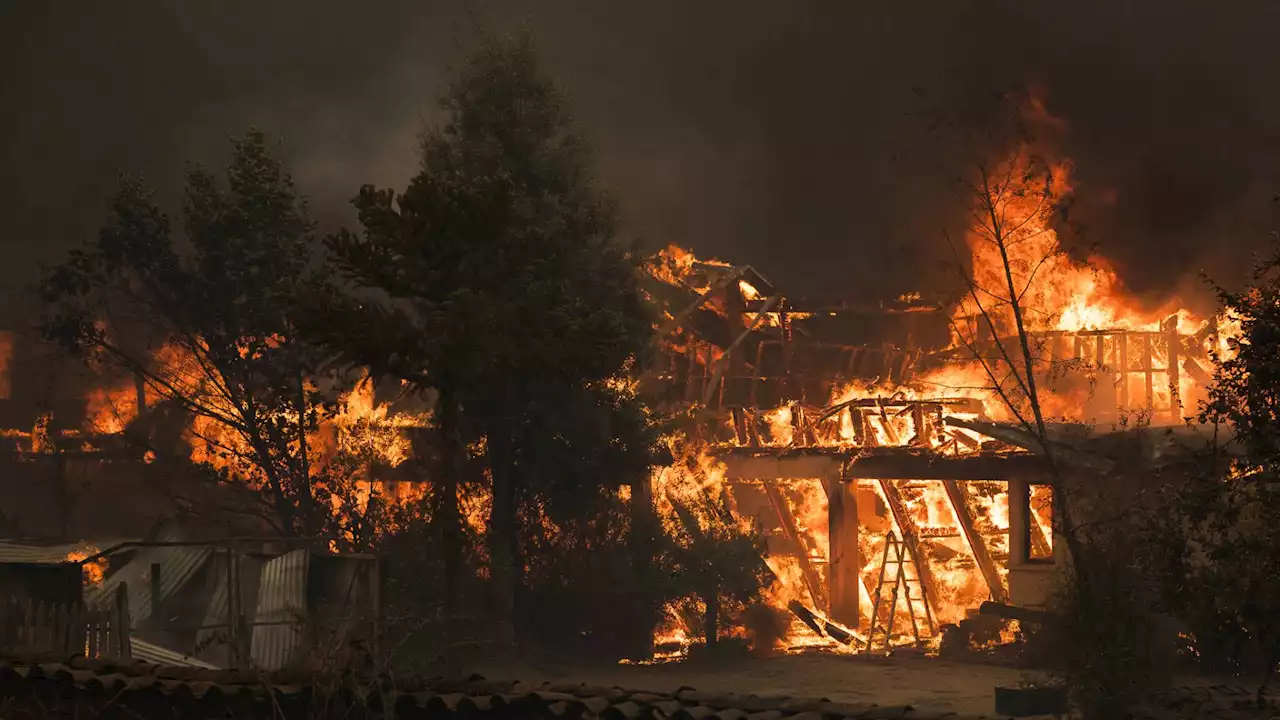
881, 450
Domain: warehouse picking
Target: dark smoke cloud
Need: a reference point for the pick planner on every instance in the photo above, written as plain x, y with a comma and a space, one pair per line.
793, 136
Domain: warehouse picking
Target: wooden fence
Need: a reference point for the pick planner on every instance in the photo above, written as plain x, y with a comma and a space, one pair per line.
28, 627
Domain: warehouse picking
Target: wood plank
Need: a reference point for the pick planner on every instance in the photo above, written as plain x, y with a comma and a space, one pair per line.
788, 522
977, 544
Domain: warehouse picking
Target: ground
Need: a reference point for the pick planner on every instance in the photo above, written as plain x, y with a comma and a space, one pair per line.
925, 683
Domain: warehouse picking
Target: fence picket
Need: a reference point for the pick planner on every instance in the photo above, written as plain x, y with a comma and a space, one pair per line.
65, 629
26, 633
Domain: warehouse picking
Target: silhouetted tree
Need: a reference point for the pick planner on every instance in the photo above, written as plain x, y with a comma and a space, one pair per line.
495, 280
1223, 534
205, 318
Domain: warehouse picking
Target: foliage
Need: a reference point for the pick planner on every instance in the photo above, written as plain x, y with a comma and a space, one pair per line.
205, 318
1221, 538
1220, 570
494, 279
1112, 650
1015, 206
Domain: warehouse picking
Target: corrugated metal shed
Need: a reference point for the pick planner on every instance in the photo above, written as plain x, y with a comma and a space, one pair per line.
156, 655
177, 566
281, 608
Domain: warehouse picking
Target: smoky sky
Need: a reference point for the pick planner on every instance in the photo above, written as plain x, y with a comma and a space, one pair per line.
791, 136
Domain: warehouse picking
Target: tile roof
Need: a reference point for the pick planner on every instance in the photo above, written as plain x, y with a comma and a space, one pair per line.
48, 687
85, 687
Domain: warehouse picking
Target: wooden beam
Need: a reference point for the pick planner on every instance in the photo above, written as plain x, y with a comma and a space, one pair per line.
844, 552
888, 463
775, 467
788, 522
922, 466
1026, 541
977, 545
1194, 369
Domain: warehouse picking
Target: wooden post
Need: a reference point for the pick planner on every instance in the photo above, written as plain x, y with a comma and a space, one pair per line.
122, 624
739, 416
233, 608
844, 554
1174, 340
919, 436
1147, 370
1122, 351
736, 312
157, 612
1108, 402
94, 649
1026, 542
1019, 522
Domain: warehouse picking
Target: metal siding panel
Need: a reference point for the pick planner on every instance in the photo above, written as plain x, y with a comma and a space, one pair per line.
282, 601
216, 614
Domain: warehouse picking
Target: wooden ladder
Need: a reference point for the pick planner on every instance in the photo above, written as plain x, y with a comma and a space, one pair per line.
900, 581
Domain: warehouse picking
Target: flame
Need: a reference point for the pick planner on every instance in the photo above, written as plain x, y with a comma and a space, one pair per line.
109, 411
95, 571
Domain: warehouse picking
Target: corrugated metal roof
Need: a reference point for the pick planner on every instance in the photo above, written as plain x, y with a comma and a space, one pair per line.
177, 566
282, 601
16, 551
156, 655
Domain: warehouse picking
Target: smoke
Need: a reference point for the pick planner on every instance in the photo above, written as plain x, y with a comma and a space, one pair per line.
793, 137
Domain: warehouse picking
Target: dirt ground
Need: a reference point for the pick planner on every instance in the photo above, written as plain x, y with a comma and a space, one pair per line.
925, 683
